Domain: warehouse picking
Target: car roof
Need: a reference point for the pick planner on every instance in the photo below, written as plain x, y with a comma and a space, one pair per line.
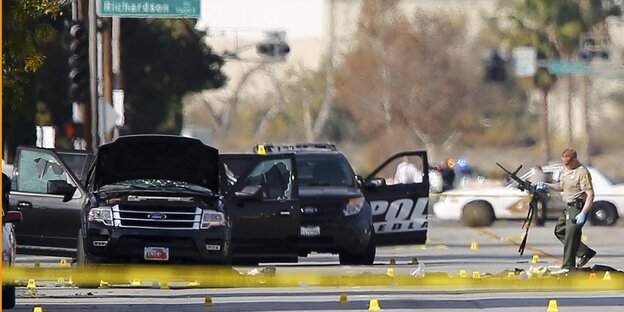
296, 148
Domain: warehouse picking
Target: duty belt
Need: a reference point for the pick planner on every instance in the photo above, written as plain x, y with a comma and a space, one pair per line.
577, 203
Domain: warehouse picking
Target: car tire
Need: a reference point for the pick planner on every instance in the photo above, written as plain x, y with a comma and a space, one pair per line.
227, 257
478, 213
603, 214
83, 260
81, 254
367, 257
541, 213
8, 297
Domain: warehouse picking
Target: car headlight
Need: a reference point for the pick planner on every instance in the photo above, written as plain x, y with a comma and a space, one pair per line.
102, 215
212, 218
354, 206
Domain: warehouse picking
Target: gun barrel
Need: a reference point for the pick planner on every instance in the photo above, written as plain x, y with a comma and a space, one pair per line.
504, 169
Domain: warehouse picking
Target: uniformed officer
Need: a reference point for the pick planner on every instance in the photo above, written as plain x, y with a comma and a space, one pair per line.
578, 193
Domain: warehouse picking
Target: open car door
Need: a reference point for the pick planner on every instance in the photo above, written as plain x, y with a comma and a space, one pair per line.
261, 198
398, 192
47, 187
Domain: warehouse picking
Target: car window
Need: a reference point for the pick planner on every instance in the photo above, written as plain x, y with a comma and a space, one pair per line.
403, 170
324, 171
36, 169
77, 163
609, 178
274, 176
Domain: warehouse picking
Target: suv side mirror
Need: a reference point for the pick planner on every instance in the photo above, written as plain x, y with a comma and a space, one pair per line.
359, 181
61, 187
375, 182
250, 192
12, 217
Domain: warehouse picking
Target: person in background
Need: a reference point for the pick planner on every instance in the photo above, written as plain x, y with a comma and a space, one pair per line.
578, 193
536, 177
448, 175
407, 172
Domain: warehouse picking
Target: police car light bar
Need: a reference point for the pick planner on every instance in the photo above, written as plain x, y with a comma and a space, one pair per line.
290, 147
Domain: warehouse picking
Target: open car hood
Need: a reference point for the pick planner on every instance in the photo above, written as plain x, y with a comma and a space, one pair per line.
156, 157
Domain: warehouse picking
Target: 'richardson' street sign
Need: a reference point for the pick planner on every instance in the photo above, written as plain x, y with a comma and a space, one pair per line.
568, 68
149, 8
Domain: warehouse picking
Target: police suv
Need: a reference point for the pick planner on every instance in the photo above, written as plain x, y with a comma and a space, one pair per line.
345, 214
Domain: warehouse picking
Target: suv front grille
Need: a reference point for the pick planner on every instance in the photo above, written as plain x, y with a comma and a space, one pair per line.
321, 212
166, 216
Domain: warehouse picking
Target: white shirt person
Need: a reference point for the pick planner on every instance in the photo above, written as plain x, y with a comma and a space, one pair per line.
407, 172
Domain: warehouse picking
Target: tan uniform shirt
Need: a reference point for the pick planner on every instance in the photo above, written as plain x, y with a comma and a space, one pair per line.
575, 183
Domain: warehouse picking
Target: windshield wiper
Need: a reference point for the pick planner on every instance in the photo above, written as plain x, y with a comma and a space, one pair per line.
319, 184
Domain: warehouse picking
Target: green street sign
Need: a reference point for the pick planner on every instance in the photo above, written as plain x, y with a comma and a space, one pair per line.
568, 68
149, 8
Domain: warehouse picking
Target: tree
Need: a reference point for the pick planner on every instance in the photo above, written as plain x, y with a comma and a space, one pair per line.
22, 28
530, 23
555, 28
221, 105
409, 75
162, 61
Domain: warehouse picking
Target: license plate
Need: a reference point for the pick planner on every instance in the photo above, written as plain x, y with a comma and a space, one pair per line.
213, 247
309, 231
156, 253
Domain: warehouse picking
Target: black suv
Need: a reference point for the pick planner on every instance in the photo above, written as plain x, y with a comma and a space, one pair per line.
345, 214
156, 198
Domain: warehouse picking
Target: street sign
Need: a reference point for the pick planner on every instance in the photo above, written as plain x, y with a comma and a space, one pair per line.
568, 68
525, 60
149, 8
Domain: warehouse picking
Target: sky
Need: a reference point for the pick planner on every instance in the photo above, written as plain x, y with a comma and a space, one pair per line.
299, 18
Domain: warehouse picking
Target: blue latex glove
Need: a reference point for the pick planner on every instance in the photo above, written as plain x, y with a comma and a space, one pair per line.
541, 186
580, 218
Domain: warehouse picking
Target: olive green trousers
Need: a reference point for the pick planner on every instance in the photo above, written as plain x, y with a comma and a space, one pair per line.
569, 233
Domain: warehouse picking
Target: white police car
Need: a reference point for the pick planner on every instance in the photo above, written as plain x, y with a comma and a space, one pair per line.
481, 206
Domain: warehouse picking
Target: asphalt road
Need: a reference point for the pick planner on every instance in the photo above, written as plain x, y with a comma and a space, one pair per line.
451, 250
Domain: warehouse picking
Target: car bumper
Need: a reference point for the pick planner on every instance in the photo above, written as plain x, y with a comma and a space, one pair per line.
353, 235
128, 245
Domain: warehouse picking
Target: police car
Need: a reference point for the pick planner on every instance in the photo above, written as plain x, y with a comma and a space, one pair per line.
349, 215
482, 206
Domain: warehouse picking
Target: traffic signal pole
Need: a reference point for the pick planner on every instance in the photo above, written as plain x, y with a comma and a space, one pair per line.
92, 127
80, 80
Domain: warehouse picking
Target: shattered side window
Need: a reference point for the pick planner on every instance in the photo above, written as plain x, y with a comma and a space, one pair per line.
36, 168
275, 178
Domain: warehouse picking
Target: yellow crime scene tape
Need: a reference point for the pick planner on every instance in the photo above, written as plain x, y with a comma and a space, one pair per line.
175, 276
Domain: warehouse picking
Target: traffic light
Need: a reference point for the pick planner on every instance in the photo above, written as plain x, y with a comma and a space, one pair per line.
78, 62
274, 45
74, 130
495, 67
273, 48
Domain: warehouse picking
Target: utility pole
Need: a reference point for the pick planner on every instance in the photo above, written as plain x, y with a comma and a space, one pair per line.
117, 77
330, 89
106, 61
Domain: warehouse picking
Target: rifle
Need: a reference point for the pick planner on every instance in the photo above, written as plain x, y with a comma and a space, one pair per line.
535, 197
